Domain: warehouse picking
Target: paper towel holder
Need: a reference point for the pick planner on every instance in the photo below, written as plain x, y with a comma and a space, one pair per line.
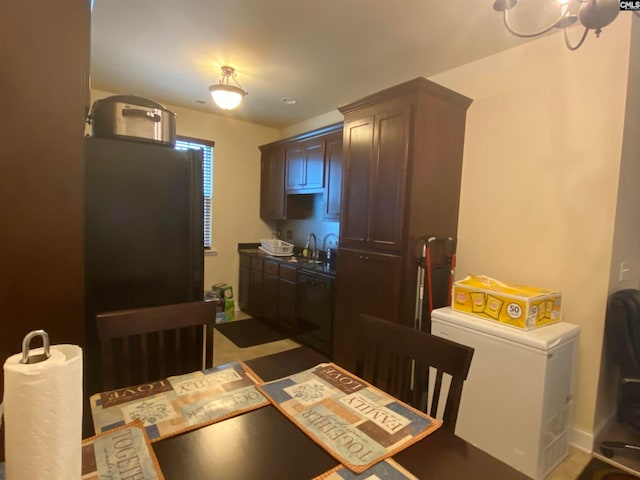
25, 347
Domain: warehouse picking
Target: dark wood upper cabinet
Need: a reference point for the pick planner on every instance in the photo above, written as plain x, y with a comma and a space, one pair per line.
358, 151
307, 163
402, 170
305, 166
272, 190
375, 179
333, 176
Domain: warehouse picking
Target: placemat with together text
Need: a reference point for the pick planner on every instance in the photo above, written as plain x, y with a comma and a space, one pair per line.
356, 423
121, 453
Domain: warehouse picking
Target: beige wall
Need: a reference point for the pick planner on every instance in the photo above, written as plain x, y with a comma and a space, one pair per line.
540, 176
626, 241
236, 185
314, 123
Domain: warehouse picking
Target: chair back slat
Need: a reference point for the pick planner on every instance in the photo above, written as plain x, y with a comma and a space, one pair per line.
147, 344
125, 358
162, 353
437, 388
404, 363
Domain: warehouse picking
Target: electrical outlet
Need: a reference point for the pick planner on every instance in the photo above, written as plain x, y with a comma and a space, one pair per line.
289, 234
625, 268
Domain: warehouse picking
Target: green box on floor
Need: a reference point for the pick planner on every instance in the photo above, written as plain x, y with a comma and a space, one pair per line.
225, 293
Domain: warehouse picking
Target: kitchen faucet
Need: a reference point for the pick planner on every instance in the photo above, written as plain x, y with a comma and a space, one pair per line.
314, 251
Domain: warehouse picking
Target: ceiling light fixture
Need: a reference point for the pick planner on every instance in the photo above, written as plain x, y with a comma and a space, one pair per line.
225, 95
592, 14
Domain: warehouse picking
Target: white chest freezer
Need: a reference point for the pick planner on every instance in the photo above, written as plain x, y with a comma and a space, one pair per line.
517, 401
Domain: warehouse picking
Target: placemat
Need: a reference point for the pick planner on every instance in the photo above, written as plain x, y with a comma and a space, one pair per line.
121, 453
388, 469
356, 423
181, 403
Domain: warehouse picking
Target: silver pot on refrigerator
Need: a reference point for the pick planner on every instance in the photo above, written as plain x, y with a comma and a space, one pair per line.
128, 117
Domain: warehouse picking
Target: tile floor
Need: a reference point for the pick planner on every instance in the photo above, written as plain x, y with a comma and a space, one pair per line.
226, 351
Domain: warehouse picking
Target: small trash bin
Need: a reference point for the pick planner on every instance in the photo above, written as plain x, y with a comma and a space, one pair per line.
224, 291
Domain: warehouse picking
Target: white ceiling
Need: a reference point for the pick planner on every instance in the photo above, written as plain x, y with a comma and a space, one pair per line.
324, 53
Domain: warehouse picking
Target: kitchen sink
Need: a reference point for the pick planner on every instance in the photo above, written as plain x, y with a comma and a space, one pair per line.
305, 261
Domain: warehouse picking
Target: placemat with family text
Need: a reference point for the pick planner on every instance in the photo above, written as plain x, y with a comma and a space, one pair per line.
356, 423
180, 403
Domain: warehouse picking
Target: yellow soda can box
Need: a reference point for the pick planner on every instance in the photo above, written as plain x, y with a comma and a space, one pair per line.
509, 303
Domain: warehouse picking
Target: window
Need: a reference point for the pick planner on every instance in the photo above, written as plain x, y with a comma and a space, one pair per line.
185, 143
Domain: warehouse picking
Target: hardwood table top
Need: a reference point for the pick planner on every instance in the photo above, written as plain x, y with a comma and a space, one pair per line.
263, 444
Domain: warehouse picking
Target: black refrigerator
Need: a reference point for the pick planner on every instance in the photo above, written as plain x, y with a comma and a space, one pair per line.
143, 230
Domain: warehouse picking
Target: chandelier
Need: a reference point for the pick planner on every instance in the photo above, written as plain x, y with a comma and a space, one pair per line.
225, 95
592, 15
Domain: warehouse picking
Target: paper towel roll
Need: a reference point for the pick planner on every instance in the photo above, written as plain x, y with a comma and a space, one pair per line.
43, 415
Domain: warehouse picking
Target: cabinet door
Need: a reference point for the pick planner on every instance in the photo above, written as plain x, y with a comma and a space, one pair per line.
365, 283
270, 298
256, 287
389, 179
294, 167
287, 306
272, 188
270, 291
244, 282
333, 177
354, 225
313, 175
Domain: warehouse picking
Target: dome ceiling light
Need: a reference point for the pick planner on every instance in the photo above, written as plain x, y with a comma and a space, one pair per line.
225, 95
592, 14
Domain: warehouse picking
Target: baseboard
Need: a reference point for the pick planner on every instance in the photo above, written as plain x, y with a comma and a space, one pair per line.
603, 426
581, 439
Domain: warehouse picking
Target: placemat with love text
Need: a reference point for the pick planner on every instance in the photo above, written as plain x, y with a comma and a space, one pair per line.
356, 423
180, 403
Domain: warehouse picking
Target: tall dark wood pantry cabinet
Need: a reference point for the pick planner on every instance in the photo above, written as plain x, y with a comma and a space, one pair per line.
41, 171
402, 154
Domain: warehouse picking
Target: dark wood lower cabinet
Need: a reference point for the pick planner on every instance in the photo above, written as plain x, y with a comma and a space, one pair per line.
365, 283
270, 292
287, 300
244, 282
255, 287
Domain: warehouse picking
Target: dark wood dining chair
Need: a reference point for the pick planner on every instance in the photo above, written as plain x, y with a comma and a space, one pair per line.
410, 365
146, 344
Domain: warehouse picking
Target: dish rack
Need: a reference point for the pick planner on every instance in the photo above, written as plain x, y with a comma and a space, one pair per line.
277, 248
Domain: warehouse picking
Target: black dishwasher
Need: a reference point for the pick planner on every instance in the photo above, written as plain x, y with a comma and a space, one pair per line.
315, 310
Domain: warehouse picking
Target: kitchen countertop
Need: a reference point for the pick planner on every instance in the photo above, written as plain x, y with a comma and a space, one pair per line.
295, 260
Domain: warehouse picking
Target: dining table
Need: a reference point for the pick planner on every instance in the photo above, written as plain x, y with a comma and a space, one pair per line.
264, 444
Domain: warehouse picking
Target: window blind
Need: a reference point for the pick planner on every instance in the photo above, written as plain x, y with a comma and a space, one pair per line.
207, 168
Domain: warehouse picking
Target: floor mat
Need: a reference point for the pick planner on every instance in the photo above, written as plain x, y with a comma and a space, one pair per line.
249, 332
598, 470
